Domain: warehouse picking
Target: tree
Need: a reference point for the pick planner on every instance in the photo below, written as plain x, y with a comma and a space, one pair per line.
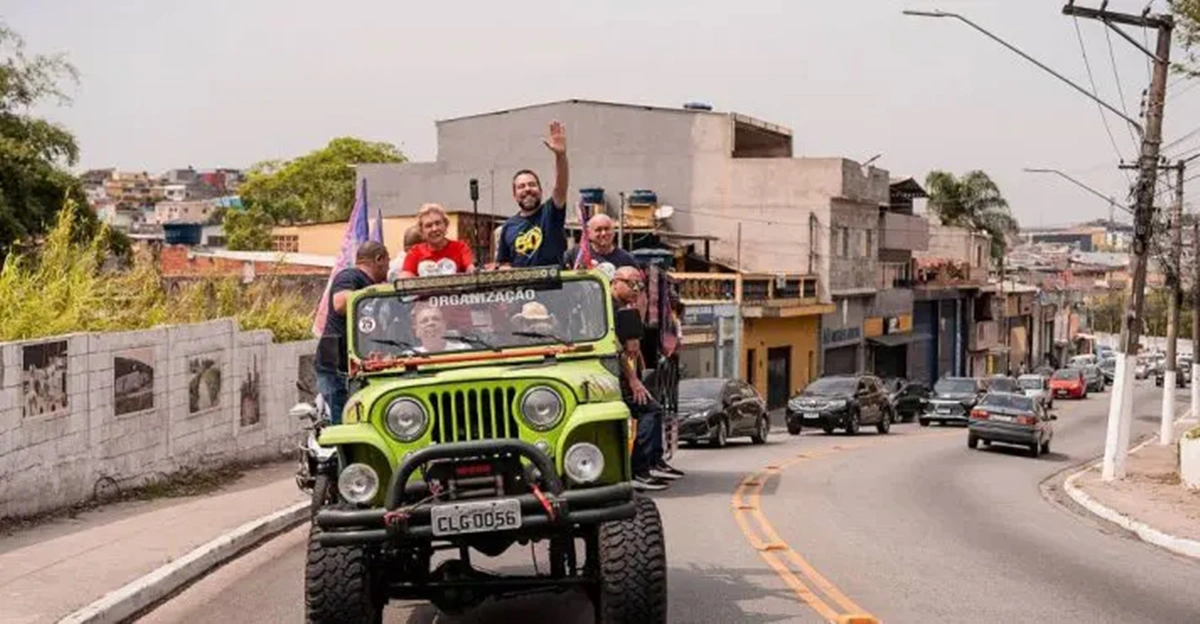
972, 201
316, 187
34, 153
248, 229
1187, 30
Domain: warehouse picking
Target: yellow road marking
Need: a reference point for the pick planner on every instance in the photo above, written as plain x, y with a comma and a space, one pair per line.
747, 504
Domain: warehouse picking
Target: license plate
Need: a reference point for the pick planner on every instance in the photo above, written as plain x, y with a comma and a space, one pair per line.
811, 415
1003, 418
943, 410
460, 518
1060, 393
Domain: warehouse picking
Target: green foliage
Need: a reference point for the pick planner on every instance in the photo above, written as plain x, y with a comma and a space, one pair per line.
64, 289
1187, 33
316, 187
972, 201
34, 153
248, 229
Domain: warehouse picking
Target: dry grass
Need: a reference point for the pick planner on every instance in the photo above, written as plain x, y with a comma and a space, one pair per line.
63, 288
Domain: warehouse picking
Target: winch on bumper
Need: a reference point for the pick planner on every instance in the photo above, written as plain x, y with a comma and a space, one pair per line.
409, 507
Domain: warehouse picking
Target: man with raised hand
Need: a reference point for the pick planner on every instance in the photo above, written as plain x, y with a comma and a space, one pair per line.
536, 235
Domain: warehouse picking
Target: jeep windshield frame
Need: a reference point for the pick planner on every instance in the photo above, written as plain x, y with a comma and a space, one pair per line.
473, 317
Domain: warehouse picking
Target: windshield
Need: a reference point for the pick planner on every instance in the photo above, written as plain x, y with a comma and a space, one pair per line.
1002, 384
954, 386
1008, 401
488, 318
832, 385
1067, 373
1030, 383
700, 389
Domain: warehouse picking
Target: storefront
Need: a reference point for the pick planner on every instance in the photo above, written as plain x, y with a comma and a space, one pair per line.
842, 336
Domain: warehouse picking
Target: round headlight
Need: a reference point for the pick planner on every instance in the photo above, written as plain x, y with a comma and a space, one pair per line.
583, 462
406, 419
358, 483
542, 408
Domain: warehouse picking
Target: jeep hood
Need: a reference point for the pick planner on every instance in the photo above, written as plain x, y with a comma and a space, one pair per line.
574, 374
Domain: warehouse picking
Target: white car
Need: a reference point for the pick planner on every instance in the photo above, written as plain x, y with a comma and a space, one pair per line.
1037, 387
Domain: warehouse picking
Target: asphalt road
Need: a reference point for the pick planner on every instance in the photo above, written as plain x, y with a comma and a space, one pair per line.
909, 527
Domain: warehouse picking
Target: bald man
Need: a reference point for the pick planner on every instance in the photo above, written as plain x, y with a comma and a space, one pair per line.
602, 245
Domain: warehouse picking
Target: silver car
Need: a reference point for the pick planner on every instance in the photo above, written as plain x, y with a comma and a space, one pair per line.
1037, 387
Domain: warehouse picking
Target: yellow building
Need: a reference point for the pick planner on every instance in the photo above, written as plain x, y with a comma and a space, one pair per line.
325, 239
778, 332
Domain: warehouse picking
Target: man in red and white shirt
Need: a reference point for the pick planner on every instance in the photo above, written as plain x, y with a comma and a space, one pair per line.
437, 254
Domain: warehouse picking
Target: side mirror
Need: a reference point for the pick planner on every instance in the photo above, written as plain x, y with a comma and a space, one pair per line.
302, 410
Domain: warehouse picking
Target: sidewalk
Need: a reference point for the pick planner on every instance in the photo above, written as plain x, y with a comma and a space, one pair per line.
1150, 501
51, 570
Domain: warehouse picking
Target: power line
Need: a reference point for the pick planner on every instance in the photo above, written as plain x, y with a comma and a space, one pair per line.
1112, 57
1092, 80
1185, 90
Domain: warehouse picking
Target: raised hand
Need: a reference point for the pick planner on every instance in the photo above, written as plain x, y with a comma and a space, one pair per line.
557, 141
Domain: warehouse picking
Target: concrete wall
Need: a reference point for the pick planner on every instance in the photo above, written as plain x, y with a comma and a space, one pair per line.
904, 232
958, 244
123, 427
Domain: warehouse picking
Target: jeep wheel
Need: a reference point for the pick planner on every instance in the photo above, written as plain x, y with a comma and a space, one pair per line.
761, 431
633, 569
339, 585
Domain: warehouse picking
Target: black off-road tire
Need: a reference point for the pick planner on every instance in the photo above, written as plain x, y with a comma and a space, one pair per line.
633, 569
339, 586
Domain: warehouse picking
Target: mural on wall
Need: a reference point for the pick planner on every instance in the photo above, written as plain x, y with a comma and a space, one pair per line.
249, 393
204, 387
133, 380
44, 378
307, 376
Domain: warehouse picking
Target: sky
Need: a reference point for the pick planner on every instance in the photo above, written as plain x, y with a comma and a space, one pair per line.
224, 83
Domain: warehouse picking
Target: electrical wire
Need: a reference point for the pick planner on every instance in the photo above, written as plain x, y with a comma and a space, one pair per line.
1112, 57
1092, 79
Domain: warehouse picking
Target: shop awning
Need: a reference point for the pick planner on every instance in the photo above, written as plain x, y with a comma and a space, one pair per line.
899, 339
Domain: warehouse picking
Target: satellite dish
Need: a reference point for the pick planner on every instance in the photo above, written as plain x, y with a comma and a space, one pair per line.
664, 212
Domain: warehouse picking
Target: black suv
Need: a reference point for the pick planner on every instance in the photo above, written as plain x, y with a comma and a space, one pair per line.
841, 401
952, 400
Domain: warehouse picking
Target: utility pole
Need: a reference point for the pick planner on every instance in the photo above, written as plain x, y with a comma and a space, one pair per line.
1175, 286
1116, 446
1195, 372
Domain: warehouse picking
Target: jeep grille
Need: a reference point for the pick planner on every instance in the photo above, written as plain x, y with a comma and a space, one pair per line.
474, 414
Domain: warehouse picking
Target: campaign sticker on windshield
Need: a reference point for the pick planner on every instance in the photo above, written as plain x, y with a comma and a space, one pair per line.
366, 324
496, 296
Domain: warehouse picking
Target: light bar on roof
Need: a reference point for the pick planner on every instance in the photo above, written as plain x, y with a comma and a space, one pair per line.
534, 276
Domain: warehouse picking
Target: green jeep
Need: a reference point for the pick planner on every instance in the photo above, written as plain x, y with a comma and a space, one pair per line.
487, 414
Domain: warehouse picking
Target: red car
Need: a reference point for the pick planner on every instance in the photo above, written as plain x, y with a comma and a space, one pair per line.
1068, 383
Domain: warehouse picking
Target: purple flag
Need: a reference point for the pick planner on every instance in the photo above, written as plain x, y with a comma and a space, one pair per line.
377, 234
356, 234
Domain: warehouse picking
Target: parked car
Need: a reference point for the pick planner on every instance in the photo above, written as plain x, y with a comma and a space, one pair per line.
713, 410
1069, 383
1108, 366
908, 398
1094, 378
952, 400
840, 401
1142, 369
1001, 383
1079, 361
1183, 375
1037, 387
1011, 419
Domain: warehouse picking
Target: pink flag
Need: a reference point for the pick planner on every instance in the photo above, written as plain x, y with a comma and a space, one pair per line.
356, 234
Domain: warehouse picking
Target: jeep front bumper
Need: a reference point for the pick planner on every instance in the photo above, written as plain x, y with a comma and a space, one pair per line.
405, 516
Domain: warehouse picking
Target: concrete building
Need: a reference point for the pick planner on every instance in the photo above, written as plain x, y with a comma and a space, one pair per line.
722, 173
183, 211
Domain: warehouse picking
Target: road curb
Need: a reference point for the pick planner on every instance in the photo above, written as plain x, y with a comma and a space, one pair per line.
122, 604
1178, 545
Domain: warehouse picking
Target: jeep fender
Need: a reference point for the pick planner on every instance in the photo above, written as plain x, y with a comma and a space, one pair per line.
357, 433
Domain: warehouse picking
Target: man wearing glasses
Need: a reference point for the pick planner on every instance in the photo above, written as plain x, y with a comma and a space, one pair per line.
650, 471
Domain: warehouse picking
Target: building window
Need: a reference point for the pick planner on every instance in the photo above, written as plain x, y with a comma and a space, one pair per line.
870, 244
845, 242
751, 365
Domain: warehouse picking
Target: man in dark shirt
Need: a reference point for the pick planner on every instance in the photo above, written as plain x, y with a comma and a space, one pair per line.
602, 250
650, 471
331, 363
536, 235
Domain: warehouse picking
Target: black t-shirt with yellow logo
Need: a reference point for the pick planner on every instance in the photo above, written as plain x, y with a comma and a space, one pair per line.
537, 240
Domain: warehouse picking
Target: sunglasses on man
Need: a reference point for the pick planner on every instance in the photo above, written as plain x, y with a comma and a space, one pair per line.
634, 284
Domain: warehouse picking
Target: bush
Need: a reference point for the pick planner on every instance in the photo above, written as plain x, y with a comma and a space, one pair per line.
63, 287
